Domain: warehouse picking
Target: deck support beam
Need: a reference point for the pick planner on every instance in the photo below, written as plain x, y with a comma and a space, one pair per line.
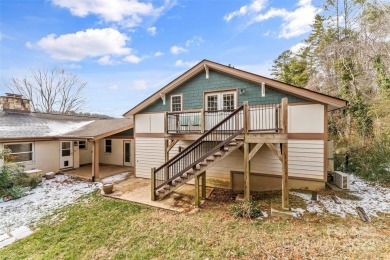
285, 202
247, 165
204, 185
95, 160
153, 184
197, 199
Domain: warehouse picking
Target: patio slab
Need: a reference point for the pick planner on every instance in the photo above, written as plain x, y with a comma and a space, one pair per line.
105, 170
138, 190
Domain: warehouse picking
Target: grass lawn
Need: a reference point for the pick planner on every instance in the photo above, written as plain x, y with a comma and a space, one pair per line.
101, 228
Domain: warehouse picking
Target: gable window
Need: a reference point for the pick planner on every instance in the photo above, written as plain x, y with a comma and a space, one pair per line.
82, 145
108, 145
176, 103
20, 152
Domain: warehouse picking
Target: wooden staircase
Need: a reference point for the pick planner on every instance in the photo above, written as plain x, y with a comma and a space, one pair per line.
203, 153
200, 167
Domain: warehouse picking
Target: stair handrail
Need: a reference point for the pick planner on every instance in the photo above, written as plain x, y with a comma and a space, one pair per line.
196, 143
201, 137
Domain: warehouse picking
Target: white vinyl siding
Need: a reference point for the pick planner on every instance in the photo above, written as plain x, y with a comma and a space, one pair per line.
306, 159
149, 152
306, 118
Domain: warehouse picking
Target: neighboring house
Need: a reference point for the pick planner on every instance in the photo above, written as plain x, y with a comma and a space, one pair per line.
53, 142
231, 126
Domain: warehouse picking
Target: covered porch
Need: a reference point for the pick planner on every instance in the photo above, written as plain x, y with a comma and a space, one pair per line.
104, 149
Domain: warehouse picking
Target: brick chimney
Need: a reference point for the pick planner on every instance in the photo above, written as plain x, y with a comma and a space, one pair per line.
14, 102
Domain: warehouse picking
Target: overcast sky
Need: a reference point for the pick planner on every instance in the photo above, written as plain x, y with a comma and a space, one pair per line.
128, 49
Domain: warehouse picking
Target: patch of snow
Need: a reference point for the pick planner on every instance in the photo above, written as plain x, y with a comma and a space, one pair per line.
372, 198
59, 128
116, 178
7, 242
297, 212
21, 232
42, 201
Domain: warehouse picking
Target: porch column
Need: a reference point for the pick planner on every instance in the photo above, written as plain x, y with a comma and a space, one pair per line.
95, 160
285, 203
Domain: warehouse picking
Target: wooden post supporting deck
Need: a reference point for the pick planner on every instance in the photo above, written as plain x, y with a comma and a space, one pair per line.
95, 160
285, 202
152, 184
247, 166
203, 185
202, 121
197, 200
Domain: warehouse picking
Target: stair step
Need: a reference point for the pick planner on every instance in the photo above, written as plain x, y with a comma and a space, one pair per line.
196, 167
203, 163
232, 144
183, 177
239, 138
177, 181
217, 154
161, 191
190, 171
211, 159
225, 148
167, 187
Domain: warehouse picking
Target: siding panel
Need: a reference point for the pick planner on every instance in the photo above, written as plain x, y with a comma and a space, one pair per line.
149, 153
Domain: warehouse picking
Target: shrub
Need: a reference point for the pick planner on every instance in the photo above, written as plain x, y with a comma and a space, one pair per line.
16, 192
13, 181
246, 209
371, 161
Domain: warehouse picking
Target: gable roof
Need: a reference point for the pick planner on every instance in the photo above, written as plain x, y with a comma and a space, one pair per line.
33, 126
332, 102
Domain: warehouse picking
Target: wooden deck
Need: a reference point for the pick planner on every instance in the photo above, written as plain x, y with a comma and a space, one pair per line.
106, 170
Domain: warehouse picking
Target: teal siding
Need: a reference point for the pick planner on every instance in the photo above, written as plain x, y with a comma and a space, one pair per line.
193, 91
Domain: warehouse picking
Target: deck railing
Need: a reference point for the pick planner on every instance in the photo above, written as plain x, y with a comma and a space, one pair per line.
261, 118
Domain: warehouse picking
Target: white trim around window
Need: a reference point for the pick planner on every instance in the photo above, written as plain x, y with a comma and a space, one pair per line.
21, 152
175, 104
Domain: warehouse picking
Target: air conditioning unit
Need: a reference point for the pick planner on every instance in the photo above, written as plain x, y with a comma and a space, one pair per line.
341, 180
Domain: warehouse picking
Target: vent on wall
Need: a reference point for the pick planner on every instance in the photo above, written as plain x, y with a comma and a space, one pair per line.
341, 180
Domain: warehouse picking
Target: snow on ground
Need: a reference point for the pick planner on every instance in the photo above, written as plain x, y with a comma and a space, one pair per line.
116, 178
42, 201
372, 198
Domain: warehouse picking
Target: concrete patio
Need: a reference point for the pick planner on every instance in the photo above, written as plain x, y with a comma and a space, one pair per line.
106, 170
138, 190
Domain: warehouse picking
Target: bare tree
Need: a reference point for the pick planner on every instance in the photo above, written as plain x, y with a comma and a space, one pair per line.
50, 90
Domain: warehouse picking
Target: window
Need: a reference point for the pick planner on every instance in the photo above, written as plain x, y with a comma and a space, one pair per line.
176, 103
20, 152
221, 101
212, 103
82, 145
108, 145
228, 102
